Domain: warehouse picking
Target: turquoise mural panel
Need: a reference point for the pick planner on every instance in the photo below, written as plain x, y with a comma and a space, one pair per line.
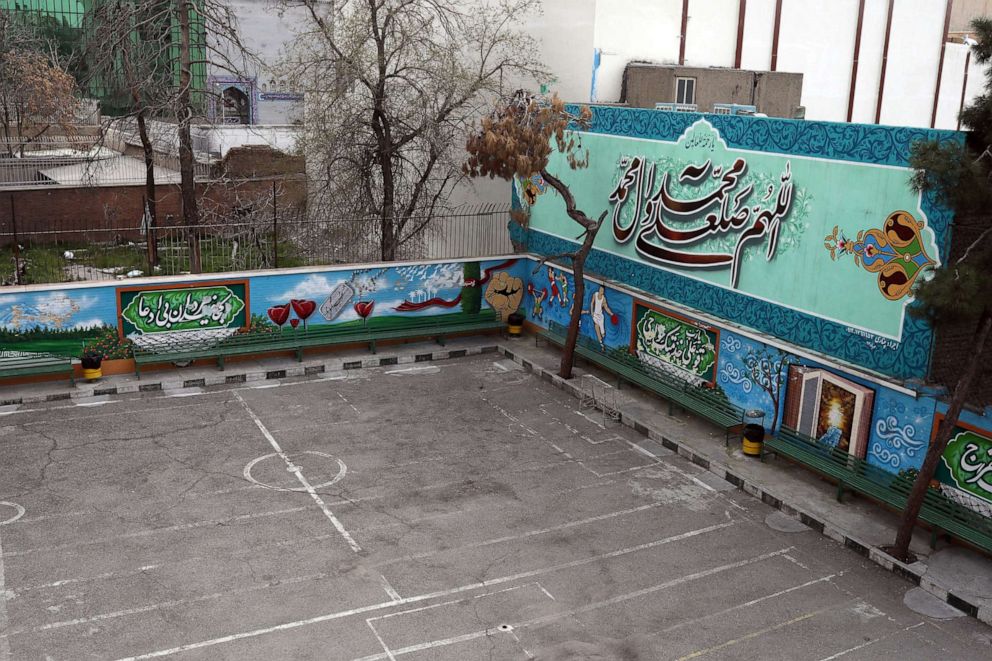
804, 230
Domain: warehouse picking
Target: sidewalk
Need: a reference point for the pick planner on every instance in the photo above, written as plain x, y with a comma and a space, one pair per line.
956, 575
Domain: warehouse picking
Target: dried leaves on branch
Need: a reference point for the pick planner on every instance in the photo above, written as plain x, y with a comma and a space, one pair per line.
35, 95
518, 140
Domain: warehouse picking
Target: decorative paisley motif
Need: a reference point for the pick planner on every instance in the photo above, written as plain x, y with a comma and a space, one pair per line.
729, 373
898, 437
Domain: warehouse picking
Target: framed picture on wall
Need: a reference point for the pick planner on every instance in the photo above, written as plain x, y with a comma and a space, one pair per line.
829, 408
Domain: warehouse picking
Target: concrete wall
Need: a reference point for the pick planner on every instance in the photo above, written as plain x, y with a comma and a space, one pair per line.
776, 94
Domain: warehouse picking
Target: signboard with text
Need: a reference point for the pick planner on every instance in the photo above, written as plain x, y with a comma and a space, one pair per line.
674, 344
210, 307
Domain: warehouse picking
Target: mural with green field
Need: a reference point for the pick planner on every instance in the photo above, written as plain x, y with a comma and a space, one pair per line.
110, 318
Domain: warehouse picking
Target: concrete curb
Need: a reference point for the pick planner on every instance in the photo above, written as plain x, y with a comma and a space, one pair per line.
913, 573
169, 381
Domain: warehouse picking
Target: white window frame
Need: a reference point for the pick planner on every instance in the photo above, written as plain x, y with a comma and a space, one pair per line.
684, 84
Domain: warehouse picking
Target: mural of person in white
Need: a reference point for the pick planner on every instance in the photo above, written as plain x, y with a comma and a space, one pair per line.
597, 307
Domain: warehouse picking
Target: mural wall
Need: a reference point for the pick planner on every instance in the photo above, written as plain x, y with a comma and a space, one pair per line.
804, 230
112, 317
886, 425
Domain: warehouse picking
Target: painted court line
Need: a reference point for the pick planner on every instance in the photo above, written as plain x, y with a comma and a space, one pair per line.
525, 535
871, 642
390, 590
299, 475
385, 647
156, 531
4, 643
585, 609
755, 634
288, 626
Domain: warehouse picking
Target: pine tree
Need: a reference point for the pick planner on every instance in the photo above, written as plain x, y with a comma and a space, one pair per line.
960, 292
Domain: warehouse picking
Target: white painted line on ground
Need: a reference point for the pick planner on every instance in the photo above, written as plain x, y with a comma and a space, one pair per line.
595, 422
18, 512
288, 626
345, 400
95, 416
299, 476
4, 643
500, 367
390, 590
871, 642
84, 579
588, 607
172, 603
156, 531
752, 602
755, 634
385, 647
262, 386
525, 535
431, 369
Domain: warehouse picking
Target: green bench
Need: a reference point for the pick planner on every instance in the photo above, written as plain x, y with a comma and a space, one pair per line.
35, 364
702, 401
943, 515
320, 335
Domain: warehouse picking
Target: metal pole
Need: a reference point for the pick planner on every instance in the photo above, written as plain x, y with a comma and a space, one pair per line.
275, 229
17, 248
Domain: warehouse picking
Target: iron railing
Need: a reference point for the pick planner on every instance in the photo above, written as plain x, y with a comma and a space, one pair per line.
264, 240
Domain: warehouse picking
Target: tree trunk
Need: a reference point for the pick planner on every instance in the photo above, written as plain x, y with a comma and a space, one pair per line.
937, 446
575, 316
146, 146
184, 113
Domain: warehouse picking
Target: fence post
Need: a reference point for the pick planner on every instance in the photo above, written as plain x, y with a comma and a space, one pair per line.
16, 249
275, 229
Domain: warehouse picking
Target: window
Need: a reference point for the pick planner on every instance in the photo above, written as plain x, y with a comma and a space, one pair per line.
685, 90
235, 108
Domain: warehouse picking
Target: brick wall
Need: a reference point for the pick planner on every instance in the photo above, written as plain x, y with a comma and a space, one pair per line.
109, 212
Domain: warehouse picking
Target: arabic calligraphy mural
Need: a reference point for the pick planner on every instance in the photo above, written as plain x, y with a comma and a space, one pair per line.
675, 344
896, 252
967, 465
703, 215
147, 311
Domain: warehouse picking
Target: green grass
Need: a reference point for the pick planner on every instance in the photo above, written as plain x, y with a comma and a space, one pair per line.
46, 264
55, 345
385, 322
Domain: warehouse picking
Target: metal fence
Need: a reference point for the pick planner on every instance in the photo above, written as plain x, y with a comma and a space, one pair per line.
264, 240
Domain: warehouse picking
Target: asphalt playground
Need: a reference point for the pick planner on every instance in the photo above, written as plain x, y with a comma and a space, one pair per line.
455, 510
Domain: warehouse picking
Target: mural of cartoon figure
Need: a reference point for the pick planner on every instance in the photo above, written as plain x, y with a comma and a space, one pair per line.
553, 286
532, 187
504, 293
563, 292
598, 309
537, 311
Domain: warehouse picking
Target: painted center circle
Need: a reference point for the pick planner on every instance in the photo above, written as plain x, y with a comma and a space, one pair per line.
5, 507
318, 468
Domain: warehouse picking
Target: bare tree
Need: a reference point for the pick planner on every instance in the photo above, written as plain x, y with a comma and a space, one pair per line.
392, 88
516, 141
36, 92
147, 53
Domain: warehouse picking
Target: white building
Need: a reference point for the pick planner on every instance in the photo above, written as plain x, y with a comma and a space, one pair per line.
860, 62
